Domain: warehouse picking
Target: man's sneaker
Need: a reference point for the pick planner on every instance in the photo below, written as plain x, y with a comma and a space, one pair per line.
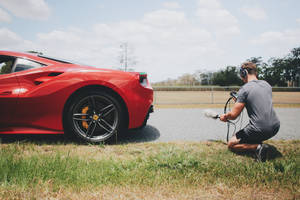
262, 152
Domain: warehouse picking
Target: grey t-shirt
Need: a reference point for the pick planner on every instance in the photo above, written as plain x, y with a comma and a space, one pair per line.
257, 96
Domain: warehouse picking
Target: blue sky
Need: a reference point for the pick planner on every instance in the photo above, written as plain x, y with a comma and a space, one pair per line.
165, 38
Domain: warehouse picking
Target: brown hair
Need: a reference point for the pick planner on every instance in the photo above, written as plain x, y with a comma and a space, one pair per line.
250, 67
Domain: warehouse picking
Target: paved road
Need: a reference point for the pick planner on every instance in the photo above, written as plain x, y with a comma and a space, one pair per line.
167, 125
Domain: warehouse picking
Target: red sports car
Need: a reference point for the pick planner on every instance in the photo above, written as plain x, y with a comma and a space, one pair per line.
44, 95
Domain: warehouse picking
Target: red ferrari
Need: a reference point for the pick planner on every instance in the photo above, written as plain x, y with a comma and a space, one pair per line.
44, 95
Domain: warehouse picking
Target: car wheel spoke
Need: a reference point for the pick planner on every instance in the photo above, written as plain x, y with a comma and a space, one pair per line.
108, 109
91, 129
78, 116
105, 126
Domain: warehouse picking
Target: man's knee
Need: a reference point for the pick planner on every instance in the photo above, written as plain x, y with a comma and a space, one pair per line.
232, 142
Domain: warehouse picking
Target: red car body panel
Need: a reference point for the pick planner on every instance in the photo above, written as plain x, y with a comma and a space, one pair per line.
33, 101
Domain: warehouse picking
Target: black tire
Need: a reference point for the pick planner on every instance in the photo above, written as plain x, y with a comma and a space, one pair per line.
94, 117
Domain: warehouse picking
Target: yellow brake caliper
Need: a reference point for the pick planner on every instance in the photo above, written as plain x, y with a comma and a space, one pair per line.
84, 111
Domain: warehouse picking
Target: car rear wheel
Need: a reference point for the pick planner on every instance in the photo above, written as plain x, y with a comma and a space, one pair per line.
94, 117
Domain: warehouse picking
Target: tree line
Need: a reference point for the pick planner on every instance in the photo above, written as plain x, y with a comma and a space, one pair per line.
281, 72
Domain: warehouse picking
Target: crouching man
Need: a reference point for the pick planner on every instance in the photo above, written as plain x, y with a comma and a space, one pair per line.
256, 96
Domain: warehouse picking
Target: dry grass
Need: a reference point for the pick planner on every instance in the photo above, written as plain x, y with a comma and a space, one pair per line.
192, 106
286, 97
190, 97
166, 192
115, 152
204, 99
163, 155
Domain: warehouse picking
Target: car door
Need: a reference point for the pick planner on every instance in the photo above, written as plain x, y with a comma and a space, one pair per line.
9, 91
30, 74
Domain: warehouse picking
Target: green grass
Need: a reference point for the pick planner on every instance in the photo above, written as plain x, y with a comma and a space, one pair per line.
81, 167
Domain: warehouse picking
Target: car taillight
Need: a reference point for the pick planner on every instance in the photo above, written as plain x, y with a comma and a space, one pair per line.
143, 79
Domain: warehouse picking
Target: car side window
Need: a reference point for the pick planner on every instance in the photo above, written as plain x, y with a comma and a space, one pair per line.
6, 64
24, 64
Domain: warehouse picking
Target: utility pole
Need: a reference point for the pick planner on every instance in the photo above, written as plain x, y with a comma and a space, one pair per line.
124, 47
126, 57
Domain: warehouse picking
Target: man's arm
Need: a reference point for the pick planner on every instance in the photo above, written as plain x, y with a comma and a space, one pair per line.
234, 113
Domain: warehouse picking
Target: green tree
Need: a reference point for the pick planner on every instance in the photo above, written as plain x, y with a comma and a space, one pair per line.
227, 77
291, 66
283, 70
274, 74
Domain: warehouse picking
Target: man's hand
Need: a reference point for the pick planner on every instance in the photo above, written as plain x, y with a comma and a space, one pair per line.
223, 118
234, 113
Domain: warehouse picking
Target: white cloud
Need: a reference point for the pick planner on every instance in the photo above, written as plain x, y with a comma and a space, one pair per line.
30, 9
254, 12
8, 38
166, 44
11, 41
171, 5
213, 15
278, 42
298, 20
164, 18
4, 16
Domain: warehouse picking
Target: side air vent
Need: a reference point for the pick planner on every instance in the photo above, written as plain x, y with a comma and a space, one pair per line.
37, 82
55, 73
